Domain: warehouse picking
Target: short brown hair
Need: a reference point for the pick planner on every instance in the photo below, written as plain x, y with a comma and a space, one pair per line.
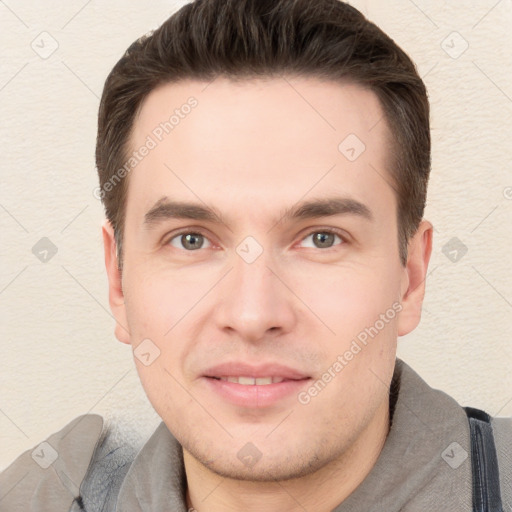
327, 39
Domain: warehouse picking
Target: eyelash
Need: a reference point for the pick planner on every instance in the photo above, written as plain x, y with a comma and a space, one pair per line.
331, 231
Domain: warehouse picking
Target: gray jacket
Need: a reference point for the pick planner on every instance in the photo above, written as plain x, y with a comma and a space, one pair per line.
425, 464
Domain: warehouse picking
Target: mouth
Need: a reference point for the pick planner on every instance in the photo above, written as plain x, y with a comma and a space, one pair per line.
251, 374
254, 386
253, 381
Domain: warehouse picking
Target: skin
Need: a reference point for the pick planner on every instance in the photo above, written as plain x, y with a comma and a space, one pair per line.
252, 149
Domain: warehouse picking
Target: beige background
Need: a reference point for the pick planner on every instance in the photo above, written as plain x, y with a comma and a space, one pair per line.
59, 358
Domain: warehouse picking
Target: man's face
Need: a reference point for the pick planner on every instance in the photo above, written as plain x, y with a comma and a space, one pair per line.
252, 292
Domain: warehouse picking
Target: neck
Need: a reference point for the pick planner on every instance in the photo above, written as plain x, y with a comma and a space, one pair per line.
321, 491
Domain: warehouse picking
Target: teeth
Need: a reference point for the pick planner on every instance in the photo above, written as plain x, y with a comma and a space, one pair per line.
252, 381
263, 381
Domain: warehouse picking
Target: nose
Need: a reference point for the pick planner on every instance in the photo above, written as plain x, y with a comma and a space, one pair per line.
257, 302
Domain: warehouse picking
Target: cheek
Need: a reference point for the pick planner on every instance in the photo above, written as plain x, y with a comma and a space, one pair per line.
153, 312
157, 301
359, 305
156, 311
349, 299
163, 389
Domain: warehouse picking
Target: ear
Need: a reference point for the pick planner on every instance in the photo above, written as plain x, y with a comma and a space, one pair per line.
414, 275
115, 290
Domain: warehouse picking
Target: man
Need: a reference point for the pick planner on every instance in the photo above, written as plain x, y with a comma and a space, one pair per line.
264, 168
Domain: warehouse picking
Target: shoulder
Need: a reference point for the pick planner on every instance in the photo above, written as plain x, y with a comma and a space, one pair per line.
502, 429
48, 476
502, 426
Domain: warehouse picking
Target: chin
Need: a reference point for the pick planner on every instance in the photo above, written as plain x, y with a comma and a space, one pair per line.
251, 465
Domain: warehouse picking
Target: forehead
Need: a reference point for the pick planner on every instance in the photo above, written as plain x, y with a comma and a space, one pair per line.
267, 140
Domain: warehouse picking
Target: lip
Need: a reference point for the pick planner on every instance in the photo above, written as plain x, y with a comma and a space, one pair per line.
254, 396
240, 369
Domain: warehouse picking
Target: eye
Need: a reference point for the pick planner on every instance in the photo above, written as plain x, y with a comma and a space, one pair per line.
323, 239
190, 241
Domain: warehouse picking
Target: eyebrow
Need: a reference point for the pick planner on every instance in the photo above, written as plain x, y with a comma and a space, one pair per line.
165, 209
